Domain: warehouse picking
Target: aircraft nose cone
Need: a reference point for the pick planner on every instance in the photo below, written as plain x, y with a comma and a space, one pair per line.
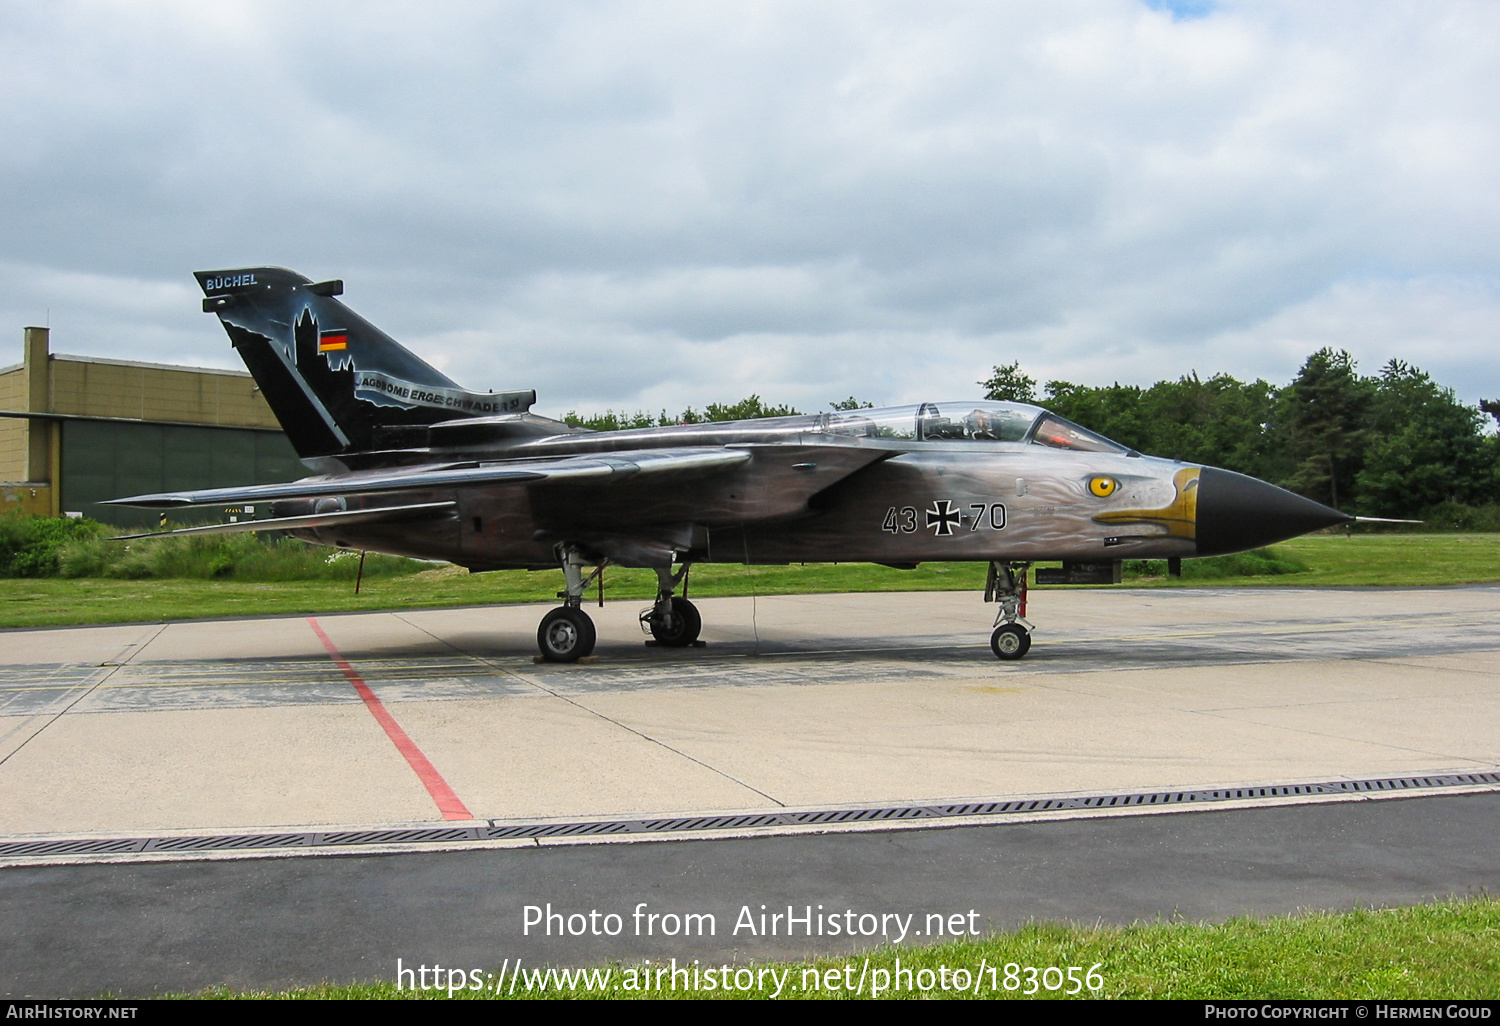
1236, 512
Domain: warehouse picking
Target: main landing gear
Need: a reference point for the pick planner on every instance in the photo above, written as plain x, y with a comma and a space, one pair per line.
567, 634
672, 621
1007, 586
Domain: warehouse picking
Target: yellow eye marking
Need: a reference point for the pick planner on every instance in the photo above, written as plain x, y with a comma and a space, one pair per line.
1103, 487
1179, 517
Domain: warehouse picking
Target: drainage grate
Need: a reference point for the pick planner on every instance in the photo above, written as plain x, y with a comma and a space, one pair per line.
90, 847
418, 835
688, 825
221, 841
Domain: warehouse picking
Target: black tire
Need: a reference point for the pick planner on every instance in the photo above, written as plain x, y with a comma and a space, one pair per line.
1010, 641
566, 635
679, 627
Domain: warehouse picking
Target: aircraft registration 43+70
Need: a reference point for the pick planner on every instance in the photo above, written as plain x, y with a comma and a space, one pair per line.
407, 462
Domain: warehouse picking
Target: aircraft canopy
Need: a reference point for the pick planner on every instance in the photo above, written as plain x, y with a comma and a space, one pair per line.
983, 421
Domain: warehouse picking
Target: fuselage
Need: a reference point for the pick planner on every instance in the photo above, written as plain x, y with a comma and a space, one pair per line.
968, 481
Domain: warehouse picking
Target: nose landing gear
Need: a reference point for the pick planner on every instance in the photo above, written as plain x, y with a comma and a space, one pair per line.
1007, 586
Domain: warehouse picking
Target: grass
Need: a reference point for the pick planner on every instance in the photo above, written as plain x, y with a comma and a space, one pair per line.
239, 557
1443, 951
1329, 560
1397, 559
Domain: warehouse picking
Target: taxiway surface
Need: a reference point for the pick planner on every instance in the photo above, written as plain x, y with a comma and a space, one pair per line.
794, 702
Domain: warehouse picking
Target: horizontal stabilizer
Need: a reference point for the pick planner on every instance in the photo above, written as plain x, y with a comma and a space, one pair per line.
593, 469
419, 511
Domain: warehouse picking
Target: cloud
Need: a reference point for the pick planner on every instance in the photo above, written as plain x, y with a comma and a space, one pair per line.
646, 204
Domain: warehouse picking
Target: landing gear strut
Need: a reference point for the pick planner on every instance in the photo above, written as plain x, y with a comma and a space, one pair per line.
672, 620
567, 634
1007, 586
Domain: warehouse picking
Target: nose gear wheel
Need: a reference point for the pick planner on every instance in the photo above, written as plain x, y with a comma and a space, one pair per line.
1010, 641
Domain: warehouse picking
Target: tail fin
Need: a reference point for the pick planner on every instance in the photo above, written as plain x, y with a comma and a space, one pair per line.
337, 383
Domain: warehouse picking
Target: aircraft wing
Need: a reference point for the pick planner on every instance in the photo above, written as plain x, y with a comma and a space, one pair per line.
602, 468
387, 514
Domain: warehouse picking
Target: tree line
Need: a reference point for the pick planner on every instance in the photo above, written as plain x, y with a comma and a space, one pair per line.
745, 409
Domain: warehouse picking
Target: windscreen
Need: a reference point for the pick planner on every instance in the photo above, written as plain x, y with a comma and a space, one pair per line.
1052, 430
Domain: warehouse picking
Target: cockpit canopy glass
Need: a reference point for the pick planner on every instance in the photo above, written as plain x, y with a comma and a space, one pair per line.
1064, 434
972, 421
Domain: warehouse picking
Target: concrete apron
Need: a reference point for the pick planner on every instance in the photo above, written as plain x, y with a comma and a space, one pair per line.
442, 716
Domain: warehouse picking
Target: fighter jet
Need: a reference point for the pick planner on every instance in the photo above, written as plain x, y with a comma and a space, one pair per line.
405, 461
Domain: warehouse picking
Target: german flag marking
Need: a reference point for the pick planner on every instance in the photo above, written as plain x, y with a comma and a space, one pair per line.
333, 341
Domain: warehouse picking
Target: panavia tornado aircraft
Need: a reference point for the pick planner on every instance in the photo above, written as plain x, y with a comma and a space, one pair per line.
409, 463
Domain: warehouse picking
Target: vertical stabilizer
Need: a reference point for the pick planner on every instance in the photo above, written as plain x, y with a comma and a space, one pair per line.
332, 378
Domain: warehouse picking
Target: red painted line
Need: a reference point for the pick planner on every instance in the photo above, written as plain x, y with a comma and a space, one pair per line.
448, 803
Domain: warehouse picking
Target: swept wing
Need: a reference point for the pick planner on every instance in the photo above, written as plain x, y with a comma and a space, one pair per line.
593, 469
384, 514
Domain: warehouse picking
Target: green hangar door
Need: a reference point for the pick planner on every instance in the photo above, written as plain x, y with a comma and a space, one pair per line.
108, 459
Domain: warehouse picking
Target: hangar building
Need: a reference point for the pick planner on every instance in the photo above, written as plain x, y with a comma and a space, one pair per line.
75, 430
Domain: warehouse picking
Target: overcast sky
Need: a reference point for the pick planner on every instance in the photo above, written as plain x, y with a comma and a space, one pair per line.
647, 205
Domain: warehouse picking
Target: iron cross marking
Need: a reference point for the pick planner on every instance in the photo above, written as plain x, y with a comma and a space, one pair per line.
942, 517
